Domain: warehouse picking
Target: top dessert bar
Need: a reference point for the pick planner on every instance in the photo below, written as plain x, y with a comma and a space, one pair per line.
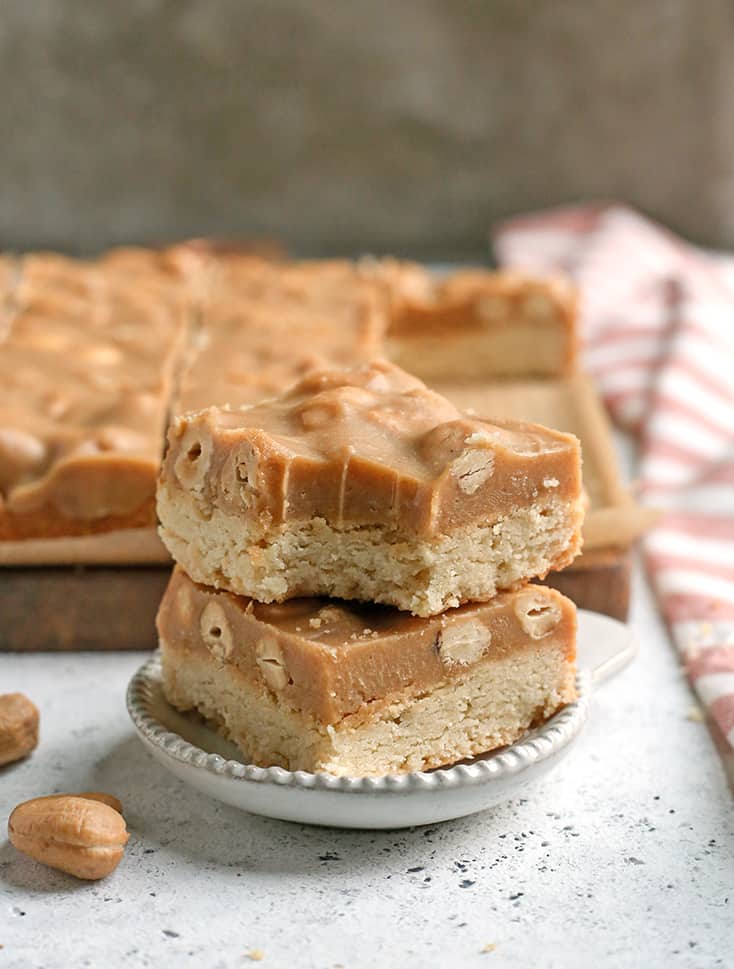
364, 484
478, 325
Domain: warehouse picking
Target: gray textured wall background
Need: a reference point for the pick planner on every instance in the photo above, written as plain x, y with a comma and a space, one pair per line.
344, 126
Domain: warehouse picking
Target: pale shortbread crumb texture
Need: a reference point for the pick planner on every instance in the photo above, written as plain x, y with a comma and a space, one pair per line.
370, 563
491, 705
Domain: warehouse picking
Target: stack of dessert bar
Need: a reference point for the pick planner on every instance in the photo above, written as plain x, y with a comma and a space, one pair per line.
351, 594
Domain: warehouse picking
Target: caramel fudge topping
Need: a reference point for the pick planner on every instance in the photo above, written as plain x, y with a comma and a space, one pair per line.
86, 370
327, 658
265, 325
370, 445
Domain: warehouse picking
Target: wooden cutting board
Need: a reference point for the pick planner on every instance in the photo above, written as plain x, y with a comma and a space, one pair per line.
79, 607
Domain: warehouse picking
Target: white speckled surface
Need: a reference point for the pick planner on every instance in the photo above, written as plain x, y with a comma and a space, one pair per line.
624, 857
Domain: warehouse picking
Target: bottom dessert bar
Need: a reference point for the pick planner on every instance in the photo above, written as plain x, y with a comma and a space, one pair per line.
350, 689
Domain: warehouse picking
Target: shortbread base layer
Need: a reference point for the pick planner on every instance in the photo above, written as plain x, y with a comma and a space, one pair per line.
372, 563
491, 705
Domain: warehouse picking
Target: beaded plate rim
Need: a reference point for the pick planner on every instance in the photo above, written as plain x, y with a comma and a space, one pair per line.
144, 690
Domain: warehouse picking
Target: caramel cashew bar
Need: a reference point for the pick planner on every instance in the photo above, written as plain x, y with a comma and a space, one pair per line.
363, 484
318, 685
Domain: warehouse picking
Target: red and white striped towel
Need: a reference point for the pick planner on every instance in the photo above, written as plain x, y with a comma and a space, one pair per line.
658, 337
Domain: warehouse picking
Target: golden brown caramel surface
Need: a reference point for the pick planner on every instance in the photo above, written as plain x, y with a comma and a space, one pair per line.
368, 445
86, 370
264, 325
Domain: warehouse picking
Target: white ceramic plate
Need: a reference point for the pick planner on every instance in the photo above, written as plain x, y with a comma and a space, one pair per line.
199, 756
